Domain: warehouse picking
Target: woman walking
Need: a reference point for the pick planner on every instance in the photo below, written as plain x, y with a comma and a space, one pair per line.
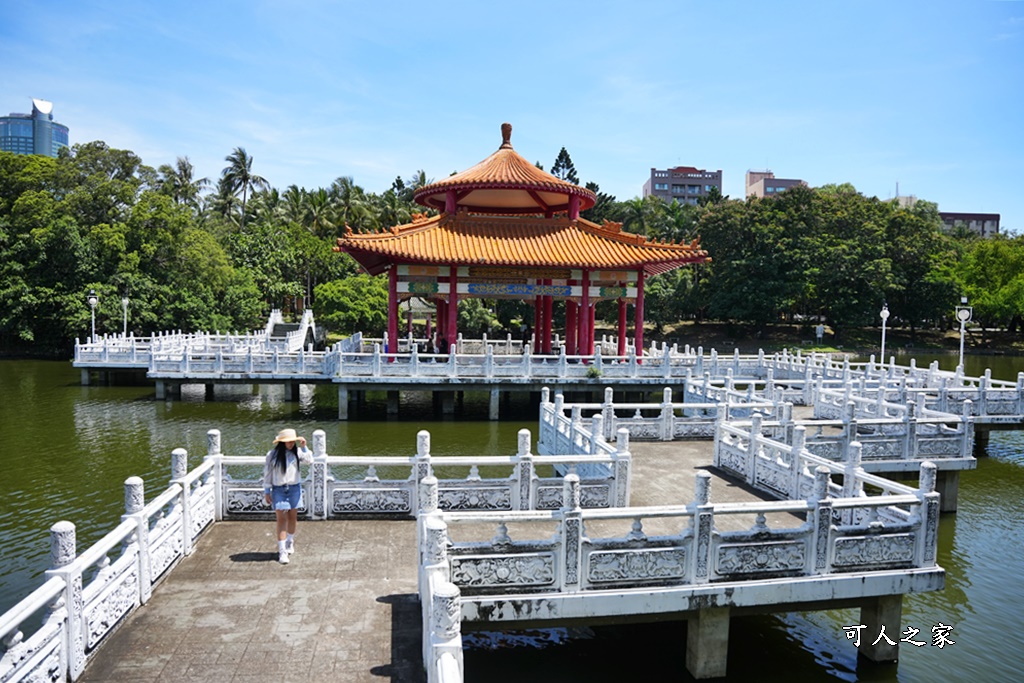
282, 488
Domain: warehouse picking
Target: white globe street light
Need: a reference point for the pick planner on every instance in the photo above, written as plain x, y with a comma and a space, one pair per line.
963, 314
93, 300
124, 304
885, 317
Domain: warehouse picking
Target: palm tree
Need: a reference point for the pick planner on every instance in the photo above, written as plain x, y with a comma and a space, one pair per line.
293, 204
350, 201
392, 210
179, 182
318, 216
238, 176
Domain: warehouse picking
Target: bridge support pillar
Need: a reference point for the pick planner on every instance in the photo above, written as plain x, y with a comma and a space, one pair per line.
161, 389
886, 612
492, 409
342, 403
447, 403
980, 441
209, 391
947, 485
707, 643
291, 391
392, 404
85, 377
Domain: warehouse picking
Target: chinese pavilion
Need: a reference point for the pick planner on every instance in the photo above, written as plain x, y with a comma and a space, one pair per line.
508, 230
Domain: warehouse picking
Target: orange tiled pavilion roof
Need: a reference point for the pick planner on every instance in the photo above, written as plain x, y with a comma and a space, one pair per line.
523, 242
505, 183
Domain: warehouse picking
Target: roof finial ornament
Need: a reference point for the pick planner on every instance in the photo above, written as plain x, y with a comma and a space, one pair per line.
506, 136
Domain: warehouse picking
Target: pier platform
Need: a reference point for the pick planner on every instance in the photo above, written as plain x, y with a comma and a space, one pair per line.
345, 607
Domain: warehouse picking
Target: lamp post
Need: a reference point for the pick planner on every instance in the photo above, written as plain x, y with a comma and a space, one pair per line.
124, 304
885, 317
963, 314
93, 300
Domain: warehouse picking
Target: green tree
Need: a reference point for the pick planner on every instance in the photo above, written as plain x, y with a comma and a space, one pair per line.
358, 303
564, 169
238, 177
180, 183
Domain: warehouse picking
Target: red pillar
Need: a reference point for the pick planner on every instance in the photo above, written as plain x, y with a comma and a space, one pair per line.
548, 310
571, 308
584, 316
593, 319
622, 328
449, 202
574, 207
537, 308
638, 332
442, 320
392, 346
452, 328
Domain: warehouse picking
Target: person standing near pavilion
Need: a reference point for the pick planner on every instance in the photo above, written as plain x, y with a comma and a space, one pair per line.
282, 487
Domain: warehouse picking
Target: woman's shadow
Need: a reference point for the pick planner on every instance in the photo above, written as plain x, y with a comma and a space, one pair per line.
254, 557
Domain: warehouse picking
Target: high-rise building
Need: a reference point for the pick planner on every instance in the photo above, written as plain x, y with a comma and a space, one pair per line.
684, 184
765, 184
35, 133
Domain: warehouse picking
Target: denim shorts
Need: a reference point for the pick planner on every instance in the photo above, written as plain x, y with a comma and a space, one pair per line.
286, 497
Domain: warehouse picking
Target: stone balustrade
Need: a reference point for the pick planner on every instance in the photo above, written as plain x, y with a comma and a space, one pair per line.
340, 486
87, 595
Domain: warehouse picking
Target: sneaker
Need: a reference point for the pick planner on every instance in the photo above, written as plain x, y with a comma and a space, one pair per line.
282, 557
289, 546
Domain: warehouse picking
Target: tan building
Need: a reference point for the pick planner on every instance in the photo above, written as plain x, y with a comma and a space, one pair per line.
985, 224
684, 184
765, 184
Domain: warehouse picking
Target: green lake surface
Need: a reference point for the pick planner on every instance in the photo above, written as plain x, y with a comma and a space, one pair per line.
69, 448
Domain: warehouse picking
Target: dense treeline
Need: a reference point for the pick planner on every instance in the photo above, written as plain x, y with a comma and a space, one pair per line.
193, 254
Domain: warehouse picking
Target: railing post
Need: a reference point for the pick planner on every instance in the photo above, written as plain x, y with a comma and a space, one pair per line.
319, 510
179, 468
213, 452
596, 433
598, 361
666, 428
930, 505
852, 486
796, 460
754, 448
666, 362
703, 525
423, 469
527, 365
375, 361
524, 472
623, 468
453, 370
608, 410
414, 359
489, 362
822, 538
446, 626
134, 503
572, 531
910, 427
967, 427
63, 551
563, 364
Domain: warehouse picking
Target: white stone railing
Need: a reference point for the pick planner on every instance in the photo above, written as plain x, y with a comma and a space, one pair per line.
885, 445
339, 486
665, 421
253, 361
845, 531
87, 595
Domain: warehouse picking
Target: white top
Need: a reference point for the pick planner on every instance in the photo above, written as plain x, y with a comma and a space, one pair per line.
272, 474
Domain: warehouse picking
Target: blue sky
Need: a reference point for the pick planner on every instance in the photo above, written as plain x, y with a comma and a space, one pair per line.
924, 94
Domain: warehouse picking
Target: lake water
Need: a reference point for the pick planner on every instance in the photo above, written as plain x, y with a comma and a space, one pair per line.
69, 449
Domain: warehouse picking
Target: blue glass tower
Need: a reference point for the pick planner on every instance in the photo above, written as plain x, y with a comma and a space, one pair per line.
35, 133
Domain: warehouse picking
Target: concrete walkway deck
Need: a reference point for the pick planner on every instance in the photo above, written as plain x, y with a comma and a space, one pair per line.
344, 609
